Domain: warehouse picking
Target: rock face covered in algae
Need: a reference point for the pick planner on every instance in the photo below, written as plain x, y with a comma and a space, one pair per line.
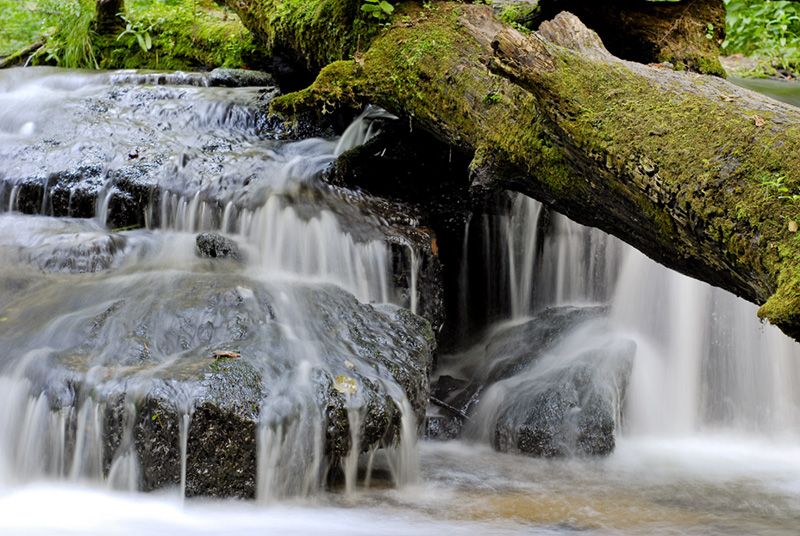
682, 166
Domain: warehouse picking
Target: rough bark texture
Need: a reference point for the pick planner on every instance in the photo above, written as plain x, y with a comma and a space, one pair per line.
107, 20
695, 172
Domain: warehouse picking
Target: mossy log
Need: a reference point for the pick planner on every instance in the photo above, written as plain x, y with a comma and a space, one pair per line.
21, 56
697, 173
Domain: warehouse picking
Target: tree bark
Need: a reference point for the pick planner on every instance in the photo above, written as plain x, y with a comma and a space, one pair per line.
697, 173
107, 18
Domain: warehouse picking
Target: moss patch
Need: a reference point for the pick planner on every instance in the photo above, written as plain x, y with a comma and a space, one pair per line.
160, 34
313, 32
183, 35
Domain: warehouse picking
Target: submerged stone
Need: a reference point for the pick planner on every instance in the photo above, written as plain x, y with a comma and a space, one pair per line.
552, 386
216, 246
565, 401
239, 78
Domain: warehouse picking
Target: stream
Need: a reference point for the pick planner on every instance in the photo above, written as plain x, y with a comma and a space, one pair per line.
283, 362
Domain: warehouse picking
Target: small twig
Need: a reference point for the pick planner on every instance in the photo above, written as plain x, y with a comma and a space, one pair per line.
448, 407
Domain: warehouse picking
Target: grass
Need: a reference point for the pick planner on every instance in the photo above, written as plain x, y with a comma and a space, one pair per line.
160, 34
767, 31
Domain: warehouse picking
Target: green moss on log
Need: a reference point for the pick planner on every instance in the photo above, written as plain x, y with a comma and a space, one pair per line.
317, 32
184, 36
673, 163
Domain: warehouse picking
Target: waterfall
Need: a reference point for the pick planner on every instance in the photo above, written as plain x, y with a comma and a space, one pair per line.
703, 363
123, 329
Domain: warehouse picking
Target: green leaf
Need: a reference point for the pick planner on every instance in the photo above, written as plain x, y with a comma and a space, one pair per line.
148, 41
386, 7
141, 42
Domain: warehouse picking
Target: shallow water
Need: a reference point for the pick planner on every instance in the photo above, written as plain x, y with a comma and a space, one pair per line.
717, 485
787, 91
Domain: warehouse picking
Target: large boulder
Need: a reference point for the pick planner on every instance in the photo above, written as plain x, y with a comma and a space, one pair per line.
567, 404
253, 384
551, 386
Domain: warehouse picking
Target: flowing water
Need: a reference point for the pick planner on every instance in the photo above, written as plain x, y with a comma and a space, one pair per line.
117, 301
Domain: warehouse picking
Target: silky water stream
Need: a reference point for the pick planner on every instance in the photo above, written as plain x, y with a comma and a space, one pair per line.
107, 311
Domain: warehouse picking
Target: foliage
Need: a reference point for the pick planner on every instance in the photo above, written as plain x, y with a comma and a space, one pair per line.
178, 34
775, 184
158, 34
65, 22
765, 29
378, 9
70, 45
142, 35
22, 22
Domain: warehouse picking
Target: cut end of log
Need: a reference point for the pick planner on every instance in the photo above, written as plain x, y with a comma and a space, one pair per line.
567, 30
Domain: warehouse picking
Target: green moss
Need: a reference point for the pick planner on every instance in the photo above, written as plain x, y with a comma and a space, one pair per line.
424, 67
337, 86
783, 307
316, 31
181, 34
699, 63
726, 168
184, 35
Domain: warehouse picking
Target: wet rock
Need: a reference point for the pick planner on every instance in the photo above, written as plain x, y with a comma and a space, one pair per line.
442, 427
59, 245
517, 348
85, 155
552, 386
430, 178
567, 400
215, 246
143, 352
239, 78
572, 411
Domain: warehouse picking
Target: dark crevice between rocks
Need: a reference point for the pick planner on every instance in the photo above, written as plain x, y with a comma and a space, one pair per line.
408, 165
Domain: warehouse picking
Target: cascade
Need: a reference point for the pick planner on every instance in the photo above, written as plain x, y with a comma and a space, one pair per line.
90, 360
703, 363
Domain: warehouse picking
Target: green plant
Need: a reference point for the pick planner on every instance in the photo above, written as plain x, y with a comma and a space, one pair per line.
709, 31
766, 29
776, 184
378, 9
70, 45
142, 35
491, 98
24, 21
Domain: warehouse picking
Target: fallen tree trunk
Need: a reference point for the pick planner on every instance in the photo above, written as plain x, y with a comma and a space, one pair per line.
21, 56
702, 176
